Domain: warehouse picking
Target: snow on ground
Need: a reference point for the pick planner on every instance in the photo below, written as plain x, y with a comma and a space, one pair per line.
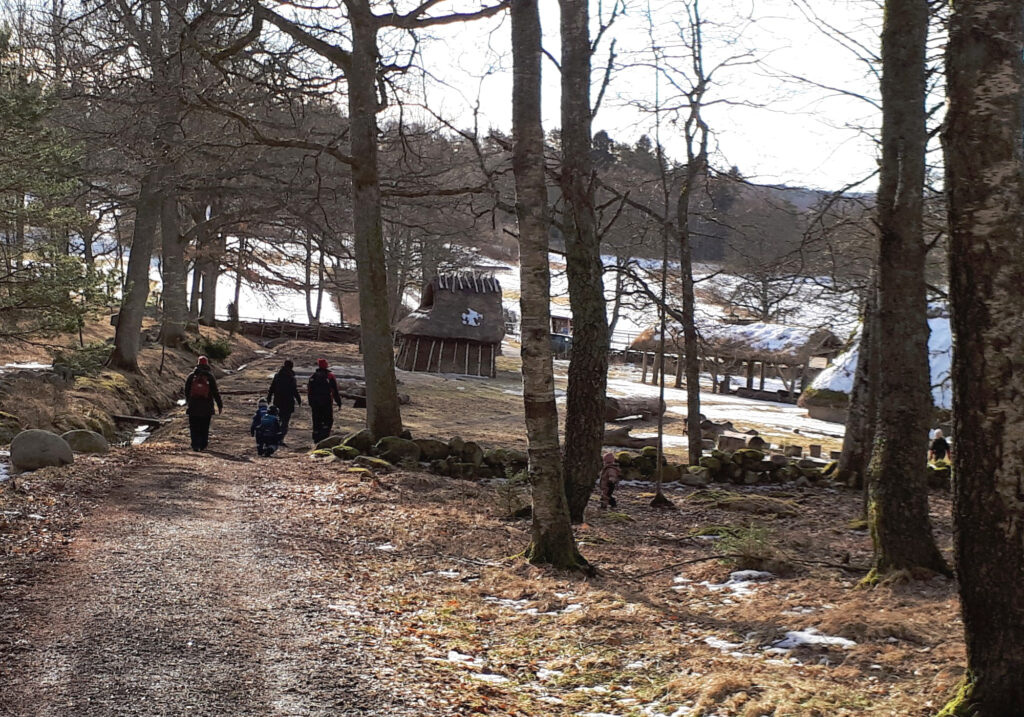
777, 419
28, 366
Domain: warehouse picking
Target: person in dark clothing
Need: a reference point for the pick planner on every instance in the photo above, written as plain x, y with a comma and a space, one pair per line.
939, 448
266, 428
321, 391
610, 476
284, 393
201, 395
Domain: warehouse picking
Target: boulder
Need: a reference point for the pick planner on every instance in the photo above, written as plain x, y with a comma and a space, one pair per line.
431, 449
330, 442
35, 448
362, 440
517, 459
323, 454
440, 466
472, 453
466, 471
793, 451
711, 463
731, 442
697, 476
83, 441
624, 459
455, 446
376, 465
395, 450
345, 453
10, 426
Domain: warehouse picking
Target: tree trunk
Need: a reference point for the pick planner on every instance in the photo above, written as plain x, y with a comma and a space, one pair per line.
898, 492
383, 416
588, 366
985, 185
552, 539
175, 318
195, 290
128, 335
211, 275
860, 419
691, 347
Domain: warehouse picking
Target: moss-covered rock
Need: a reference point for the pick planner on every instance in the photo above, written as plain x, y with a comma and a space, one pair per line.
649, 452
748, 457
10, 426
362, 440
472, 453
697, 476
346, 453
455, 446
377, 465
466, 471
330, 442
624, 459
395, 450
431, 449
711, 463
323, 454
84, 441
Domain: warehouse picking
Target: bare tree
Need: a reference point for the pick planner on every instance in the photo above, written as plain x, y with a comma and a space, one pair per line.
552, 538
898, 491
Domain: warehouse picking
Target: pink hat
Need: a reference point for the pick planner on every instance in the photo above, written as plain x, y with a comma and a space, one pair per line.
322, 363
203, 361
609, 458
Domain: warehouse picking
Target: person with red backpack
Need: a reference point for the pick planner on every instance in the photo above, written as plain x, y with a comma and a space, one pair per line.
321, 391
200, 395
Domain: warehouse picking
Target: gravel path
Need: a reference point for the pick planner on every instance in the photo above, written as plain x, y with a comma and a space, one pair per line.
178, 596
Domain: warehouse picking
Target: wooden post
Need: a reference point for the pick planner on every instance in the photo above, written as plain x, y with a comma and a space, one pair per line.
714, 375
643, 366
679, 370
430, 358
480, 360
467, 358
750, 374
416, 354
762, 376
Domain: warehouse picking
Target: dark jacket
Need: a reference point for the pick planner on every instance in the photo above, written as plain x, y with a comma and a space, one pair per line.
322, 389
202, 406
284, 391
266, 427
257, 420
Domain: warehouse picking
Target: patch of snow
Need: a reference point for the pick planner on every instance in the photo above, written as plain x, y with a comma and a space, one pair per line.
811, 637
638, 665
386, 547
458, 657
596, 689
486, 677
344, 608
451, 574
28, 366
740, 583
720, 644
544, 674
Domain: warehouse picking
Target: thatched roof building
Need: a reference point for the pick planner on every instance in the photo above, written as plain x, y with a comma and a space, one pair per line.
769, 343
457, 328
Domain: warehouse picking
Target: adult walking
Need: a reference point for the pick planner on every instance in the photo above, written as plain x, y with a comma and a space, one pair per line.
200, 395
321, 392
284, 393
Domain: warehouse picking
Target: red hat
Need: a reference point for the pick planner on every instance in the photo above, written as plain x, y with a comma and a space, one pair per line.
322, 363
203, 361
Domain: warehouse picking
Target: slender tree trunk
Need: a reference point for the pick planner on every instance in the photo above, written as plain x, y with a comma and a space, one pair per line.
211, 275
319, 284
588, 367
307, 266
552, 539
985, 185
128, 335
195, 290
175, 319
691, 345
860, 419
383, 417
898, 491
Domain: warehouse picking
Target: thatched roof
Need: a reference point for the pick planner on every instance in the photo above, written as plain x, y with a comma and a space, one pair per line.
772, 343
464, 305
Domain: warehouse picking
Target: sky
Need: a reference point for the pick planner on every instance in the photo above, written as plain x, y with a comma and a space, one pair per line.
776, 128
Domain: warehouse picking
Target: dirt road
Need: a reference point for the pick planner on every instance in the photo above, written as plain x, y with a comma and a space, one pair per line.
189, 591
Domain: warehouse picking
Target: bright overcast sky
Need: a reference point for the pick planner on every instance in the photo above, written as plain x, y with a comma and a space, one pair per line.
776, 130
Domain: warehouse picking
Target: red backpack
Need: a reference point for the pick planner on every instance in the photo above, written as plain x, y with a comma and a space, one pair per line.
200, 386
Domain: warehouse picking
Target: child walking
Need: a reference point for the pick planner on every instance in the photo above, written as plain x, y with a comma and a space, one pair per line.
610, 476
266, 428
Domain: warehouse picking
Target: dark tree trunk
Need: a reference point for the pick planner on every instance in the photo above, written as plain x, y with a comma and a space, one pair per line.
898, 491
552, 539
860, 420
128, 335
195, 290
383, 416
985, 186
588, 367
691, 347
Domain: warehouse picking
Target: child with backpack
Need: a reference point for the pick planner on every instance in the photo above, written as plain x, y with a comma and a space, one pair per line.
610, 476
266, 428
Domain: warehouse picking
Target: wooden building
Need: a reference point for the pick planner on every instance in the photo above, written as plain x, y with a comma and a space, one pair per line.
457, 328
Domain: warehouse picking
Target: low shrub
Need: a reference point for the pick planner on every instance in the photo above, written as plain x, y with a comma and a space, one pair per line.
213, 349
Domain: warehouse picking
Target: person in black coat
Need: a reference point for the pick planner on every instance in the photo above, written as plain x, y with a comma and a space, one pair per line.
284, 393
321, 391
200, 396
